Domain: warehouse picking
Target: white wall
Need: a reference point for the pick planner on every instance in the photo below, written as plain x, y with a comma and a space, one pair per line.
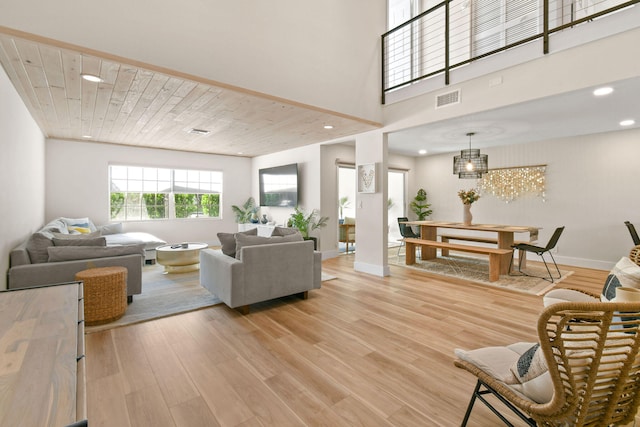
288, 48
78, 186
590, 183
22, 169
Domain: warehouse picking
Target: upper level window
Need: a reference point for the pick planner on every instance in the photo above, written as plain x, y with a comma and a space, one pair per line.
142, 193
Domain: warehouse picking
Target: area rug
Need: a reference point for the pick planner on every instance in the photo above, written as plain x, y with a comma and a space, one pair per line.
166, 295
163, 295
477, 271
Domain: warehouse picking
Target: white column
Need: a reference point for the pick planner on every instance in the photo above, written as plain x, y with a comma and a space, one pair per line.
371, 208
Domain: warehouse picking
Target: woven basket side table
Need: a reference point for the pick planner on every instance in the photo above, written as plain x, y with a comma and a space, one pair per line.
105, 294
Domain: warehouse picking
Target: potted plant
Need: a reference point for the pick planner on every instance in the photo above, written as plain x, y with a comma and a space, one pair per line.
419, 205
247, 212
343, 203
306, 223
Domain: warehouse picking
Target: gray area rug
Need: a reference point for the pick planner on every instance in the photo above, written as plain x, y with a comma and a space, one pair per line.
166, 295
163, 295
477, 270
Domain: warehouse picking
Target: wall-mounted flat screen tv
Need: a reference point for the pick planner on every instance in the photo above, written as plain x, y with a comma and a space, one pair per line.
279, 186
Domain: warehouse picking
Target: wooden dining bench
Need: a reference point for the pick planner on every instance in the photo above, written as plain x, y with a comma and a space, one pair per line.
495, 254
478, 239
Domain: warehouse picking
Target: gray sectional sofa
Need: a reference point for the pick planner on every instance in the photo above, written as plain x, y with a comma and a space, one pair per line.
65, 246
250, 269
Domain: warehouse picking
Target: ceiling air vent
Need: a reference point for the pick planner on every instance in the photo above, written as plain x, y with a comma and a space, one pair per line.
199, 131
448, 99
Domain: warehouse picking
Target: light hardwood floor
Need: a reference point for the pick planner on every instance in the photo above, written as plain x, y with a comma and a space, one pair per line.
361, 351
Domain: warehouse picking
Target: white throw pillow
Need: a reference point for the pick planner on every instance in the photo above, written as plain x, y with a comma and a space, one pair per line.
502, 364
115, 228
624, 273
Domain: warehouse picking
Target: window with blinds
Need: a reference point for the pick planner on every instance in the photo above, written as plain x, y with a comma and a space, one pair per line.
497, 23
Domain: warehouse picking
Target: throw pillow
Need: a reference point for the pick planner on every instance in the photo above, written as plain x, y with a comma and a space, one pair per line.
111, 228
77, 236
502, 363
96, 241
69, 253
56, 226
228, 241
624, 273
79, 225
284, 231
37, 246
244, 241
530, 365
532, 376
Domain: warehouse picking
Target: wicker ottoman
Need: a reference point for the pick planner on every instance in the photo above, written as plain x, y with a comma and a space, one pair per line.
105, 294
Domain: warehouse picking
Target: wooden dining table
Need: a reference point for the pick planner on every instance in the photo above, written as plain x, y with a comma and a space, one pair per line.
505, 236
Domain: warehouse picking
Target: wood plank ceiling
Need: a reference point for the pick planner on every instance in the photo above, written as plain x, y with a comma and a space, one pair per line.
152, 107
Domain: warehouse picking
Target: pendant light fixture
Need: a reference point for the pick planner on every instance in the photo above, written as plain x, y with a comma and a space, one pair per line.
470, 164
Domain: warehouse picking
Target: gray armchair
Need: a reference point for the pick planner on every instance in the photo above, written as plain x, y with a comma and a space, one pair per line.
264, 272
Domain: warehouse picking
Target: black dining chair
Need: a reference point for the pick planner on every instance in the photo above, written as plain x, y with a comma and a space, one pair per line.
539, 250
634, 234
405, 231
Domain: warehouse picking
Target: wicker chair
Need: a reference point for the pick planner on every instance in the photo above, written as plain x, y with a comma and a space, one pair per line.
591, 352
634, 254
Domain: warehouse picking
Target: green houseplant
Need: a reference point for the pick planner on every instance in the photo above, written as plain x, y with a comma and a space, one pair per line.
419, 205
343, 203
306, 223
246, 212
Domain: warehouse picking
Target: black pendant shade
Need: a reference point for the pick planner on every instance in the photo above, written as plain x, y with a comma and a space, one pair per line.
470, 164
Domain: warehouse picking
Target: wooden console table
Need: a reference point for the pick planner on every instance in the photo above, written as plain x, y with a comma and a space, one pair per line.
42, 365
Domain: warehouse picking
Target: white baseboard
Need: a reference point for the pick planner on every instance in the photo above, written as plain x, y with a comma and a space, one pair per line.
376, 270
580, 262
330, 254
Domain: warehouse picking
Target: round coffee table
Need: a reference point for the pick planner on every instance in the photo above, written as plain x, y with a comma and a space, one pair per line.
180, 258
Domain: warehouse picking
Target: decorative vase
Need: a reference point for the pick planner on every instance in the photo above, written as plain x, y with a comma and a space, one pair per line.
467, 218
264, 219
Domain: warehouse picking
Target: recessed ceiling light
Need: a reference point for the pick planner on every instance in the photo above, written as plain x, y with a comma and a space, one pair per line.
328, 127
199, 131
91, 78
602, 91
628, 122
422, 152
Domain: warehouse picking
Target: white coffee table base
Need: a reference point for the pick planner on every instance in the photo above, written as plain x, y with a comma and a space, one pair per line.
180, 258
